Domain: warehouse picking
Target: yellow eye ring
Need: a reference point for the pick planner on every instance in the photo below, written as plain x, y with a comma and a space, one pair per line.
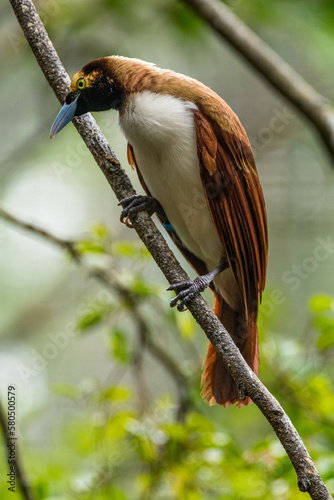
81, 83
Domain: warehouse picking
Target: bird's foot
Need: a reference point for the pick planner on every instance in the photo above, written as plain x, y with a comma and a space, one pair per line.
136, 203
187, 290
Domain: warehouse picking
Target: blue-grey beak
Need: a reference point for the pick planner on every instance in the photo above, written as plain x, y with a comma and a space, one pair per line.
64, 116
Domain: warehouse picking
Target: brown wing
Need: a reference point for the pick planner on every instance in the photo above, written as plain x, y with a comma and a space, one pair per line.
194, 261
235, 198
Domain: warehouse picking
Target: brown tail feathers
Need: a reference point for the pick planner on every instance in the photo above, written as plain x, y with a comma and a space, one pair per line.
217, 384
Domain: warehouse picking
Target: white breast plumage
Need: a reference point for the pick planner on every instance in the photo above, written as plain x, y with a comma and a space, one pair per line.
161, 130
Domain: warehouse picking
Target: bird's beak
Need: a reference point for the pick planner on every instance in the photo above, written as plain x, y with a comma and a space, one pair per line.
64, 116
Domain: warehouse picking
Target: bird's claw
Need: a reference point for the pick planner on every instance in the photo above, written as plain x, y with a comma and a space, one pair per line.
187, 290
131, 206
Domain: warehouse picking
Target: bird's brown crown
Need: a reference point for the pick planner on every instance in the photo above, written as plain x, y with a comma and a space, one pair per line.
88, 79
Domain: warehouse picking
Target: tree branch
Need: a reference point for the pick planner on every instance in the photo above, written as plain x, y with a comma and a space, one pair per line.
19, 469
68, 245
111, 280
317, 109
308, 477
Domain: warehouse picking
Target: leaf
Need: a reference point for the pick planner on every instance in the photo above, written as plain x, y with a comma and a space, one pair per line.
119, 345
101, 231
66, 390
186, 324
116, 494
130, 250
88, 246
325, 341
89, 320
141, 288
41, 488
117, 393
97, 312
197, 422
321, 303
117, 426
321, 391
185, 20
326, 327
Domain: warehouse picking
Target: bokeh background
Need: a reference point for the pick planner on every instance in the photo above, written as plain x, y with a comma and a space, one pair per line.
108, 387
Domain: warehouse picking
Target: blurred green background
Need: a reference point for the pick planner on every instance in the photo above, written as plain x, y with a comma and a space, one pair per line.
108, 384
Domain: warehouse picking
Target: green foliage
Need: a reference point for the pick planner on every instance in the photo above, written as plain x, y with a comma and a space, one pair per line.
124, 451
134, 250
323, 309
98, 242
119, 345
96, 312
122, 446
184, 19
186, 325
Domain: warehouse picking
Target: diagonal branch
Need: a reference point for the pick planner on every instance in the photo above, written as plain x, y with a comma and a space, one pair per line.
65, 244
308, 477
317, 109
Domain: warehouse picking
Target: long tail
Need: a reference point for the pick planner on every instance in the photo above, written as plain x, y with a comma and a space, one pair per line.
217, 384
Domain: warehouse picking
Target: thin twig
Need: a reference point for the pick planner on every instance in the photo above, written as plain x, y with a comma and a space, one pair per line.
68, 245
308, 477
20, 474
167, 361
111, 280
138, 375
317, 108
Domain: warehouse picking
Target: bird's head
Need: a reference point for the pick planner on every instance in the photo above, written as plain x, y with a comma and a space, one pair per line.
93, 88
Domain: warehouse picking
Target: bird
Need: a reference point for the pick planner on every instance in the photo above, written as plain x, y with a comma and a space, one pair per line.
196, 166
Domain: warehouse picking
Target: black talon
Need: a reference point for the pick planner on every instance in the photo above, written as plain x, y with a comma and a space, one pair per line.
182, 284
136, 203
187, 290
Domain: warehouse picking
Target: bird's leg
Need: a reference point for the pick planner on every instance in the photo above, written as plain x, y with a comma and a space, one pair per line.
136, 203
187, 290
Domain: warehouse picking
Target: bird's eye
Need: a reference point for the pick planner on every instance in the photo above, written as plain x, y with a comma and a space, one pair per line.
81, 83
